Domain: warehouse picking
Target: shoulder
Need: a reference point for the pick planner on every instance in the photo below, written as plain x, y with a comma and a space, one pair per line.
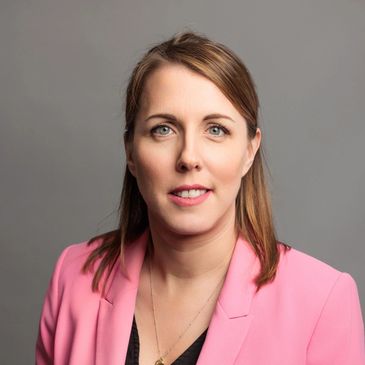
74, 255
68, 275
328, 301
311, 279
64, 302
303, 266
305, 270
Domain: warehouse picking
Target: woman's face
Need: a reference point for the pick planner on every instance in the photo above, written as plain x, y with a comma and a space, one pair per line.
186, 147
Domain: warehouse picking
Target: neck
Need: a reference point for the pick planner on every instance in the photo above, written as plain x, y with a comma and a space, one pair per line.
181, 262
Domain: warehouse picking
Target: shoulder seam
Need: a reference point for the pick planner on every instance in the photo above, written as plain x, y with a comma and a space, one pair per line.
324, 305
59, 266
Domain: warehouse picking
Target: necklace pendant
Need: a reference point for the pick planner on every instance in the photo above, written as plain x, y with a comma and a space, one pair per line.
159, 361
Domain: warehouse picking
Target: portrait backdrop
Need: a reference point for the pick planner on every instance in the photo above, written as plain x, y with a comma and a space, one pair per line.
64, 68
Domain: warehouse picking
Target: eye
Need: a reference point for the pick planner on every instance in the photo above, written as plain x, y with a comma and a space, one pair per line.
217, 128
162, 127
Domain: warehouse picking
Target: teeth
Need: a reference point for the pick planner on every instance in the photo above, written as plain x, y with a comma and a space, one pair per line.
190, 193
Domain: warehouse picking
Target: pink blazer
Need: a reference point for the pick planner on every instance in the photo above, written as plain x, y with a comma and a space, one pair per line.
309, 315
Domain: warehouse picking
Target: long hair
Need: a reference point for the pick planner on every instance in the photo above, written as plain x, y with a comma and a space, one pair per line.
253, 217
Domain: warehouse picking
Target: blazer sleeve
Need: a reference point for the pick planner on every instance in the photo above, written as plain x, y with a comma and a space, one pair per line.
338, 337
44, 352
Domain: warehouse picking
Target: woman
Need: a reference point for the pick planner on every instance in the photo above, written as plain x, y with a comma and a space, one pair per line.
194, 273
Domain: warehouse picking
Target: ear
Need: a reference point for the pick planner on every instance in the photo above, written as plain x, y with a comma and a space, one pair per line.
252, 147
128, 149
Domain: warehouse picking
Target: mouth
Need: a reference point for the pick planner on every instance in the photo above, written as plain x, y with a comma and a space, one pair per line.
188, 198
191, 193
190, 190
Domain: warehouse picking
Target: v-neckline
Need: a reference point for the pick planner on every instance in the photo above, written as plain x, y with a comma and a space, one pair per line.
201, 337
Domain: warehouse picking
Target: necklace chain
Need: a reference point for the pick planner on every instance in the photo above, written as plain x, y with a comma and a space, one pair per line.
160, 361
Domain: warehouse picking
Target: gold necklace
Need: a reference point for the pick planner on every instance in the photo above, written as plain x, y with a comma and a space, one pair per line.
160, 360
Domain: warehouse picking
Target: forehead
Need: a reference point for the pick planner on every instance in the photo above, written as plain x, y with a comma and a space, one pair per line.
177, 89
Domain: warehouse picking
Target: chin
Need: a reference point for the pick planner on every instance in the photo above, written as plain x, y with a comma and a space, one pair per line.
189, 228
182, 224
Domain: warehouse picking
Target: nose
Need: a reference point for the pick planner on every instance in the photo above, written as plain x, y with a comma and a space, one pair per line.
188, 157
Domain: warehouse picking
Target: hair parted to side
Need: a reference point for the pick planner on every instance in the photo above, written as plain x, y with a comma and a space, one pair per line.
253, 205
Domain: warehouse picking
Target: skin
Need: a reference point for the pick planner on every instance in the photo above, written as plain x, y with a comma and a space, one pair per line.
193, 245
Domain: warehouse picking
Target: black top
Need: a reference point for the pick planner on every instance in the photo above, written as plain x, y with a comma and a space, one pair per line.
188, 357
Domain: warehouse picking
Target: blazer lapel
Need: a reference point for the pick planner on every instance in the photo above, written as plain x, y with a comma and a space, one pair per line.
229, 324
231, 318
117, 308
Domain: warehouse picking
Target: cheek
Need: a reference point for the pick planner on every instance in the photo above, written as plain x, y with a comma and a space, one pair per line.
151, 165
227, 167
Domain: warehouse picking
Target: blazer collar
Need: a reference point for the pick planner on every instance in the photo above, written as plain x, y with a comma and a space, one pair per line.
133, 258
116, 309
231, 318
238, 289
229, 324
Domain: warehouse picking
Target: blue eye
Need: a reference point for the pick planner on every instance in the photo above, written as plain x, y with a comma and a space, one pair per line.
160, 127
219, 128
164, 130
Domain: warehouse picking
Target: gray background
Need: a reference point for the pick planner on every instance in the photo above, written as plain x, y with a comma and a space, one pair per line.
63, 64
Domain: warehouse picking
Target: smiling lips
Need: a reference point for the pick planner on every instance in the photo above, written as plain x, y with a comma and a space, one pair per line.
189, 187
188, 195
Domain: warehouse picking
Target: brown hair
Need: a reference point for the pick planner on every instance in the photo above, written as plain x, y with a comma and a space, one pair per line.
253, 206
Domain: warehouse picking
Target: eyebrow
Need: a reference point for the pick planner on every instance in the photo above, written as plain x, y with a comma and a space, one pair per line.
173, 118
